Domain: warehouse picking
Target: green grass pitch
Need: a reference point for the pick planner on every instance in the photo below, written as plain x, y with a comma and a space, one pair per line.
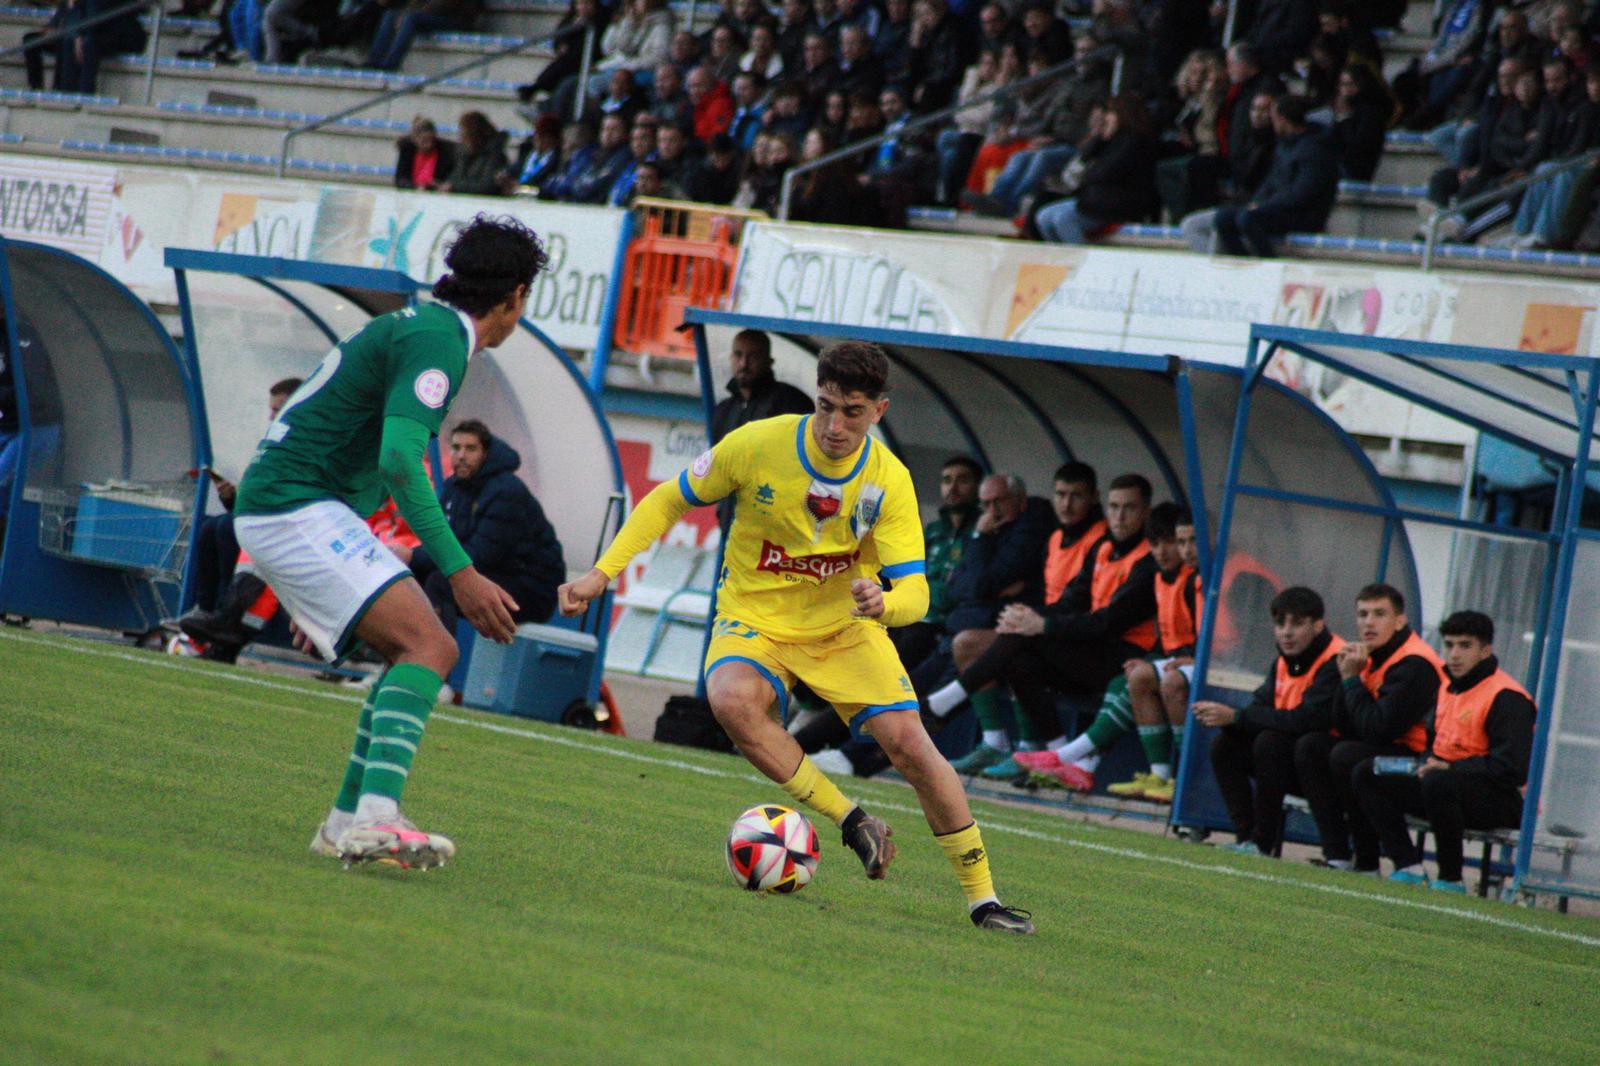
158, 905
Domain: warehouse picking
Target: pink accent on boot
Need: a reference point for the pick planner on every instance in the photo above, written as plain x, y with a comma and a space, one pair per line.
1037, 760
1073, 776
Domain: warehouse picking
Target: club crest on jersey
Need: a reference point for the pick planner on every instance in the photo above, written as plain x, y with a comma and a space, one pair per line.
865, 513
432, 388
774, 559
823, 502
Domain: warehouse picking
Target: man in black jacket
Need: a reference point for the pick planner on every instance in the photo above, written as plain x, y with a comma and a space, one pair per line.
1479, 744
1297, 194
754, 393
1252, 753
499, 523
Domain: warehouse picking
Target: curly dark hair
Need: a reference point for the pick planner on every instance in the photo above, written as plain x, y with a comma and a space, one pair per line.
488, 259
854, 366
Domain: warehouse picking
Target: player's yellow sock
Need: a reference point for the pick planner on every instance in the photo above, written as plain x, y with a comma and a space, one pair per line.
964, 848
810, 787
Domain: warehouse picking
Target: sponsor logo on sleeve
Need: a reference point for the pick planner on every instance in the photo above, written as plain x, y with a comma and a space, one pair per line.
432, 388
702, 464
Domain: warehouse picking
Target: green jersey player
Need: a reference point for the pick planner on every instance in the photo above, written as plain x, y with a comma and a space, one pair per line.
354, 433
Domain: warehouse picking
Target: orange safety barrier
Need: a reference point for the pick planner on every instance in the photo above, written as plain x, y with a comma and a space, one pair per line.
684, 256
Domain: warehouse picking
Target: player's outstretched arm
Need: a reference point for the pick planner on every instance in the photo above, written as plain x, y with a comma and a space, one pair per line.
574, 596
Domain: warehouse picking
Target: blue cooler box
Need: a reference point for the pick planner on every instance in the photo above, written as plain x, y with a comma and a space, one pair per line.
121, 527
538, 675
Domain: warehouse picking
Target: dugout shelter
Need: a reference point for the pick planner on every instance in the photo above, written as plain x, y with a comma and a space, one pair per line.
111, 439
1027, 408
253, 320
1536, 584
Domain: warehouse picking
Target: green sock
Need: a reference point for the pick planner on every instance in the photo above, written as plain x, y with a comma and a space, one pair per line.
1157, 742
993, 707
1177, 743
400, 712
350, 791
1115, 718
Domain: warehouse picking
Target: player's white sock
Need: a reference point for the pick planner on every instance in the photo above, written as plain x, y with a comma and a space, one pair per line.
1162, 770
375, 808
1075, 750
947, 699
338, 821
996, 739
1415, 868
1087, 763
1057, 744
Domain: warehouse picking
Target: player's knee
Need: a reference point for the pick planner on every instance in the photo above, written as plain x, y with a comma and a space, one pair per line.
900, 735
1141, 679
1175, 684
738, 703
968, 644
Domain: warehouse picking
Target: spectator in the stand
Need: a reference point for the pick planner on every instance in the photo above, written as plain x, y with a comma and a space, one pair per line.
741, 17
1319, 71
1562, 90
1351, 38
675, 163
712, 103
1242, 116
77, 59
761, 186
749, 108
668, 101
1121, 38
722, 54
481, 164
583, 17
539, 158
828, 193
1246, 171
834, 117
611, 156
578, 151
641, 146
1055, 133
684, 52
1297, 194
1246, 81
1361, 112
1576, 48
499, 524
1018, 112
290, 27
817, 69
1479, 746
1512, 39
937, 55
1389, 684
859, 69
402, 23
763, 57
636, 41
957, 145
1430, 86
648, 182
864, 119
1191, 142
423, 159
622, 97
829, 20
794, 22
716, 179
788, 111
1500, 143
1044, 33
862, 14
996, 28
1280, 31
1544, 204
893, 41
1252, 753
1115, 178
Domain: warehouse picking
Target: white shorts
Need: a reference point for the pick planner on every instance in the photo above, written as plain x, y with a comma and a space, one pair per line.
1187, 670
325, 566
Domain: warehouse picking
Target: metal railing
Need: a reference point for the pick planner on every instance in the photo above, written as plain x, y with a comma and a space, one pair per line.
152, 48
384, 97
786, 196
1495, 195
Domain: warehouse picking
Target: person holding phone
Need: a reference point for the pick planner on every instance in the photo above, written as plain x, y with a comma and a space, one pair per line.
1475, 766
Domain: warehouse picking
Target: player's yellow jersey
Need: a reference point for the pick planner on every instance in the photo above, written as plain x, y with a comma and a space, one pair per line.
805, 526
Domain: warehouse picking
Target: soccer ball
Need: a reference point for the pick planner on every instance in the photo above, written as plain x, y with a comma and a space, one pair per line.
772, 849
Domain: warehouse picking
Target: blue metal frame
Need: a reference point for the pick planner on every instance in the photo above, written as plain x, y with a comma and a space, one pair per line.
1191, 464
600, 358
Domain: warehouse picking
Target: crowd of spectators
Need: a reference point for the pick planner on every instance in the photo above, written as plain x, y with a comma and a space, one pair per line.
1117, 111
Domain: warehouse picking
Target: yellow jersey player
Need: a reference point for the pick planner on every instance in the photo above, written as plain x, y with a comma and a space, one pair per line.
822, 513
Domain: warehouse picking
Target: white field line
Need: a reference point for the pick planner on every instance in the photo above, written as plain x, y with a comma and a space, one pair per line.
162, 662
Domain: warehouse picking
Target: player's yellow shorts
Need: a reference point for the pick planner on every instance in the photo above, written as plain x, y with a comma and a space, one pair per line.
856, 669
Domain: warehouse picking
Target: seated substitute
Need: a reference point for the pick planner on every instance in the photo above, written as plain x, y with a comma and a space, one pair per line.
1072, 763
1078, 644
1476, 765
500, 525
1080, 525
1252, 753
1389, 682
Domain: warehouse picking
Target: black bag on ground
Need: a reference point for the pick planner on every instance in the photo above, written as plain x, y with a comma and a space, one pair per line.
688, 721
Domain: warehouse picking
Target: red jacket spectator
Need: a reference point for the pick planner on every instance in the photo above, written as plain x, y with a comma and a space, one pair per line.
713, 104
